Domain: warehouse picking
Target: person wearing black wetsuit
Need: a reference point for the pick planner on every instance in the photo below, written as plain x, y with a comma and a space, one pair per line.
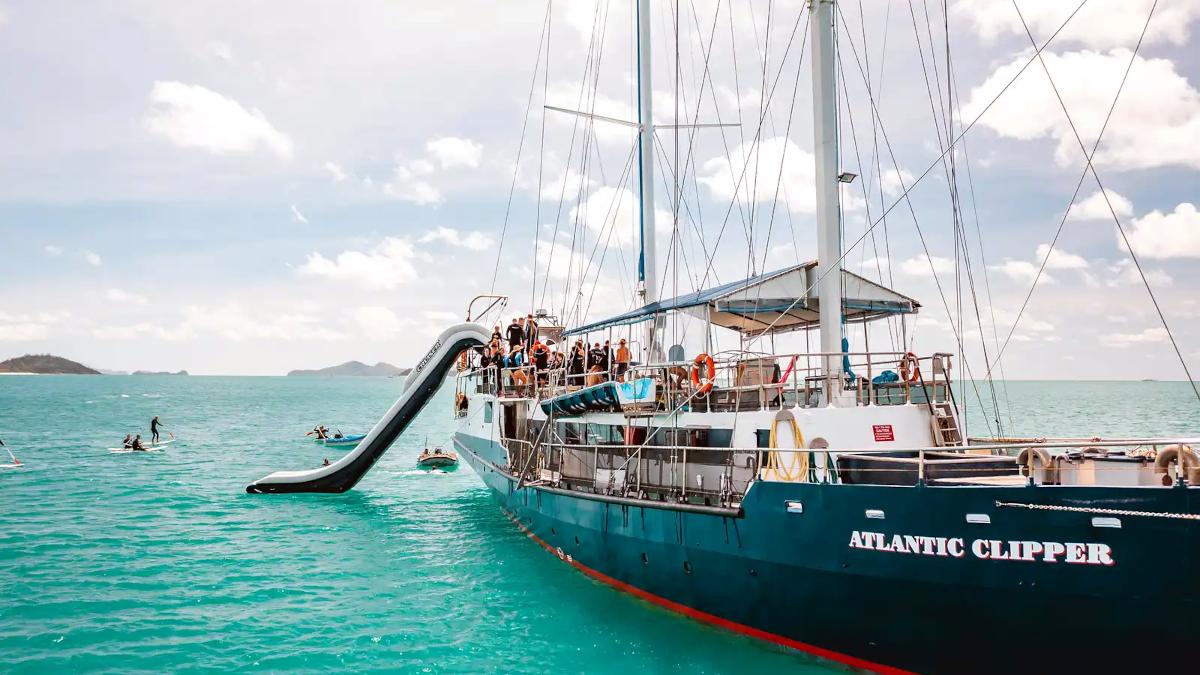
154, 429
516, 334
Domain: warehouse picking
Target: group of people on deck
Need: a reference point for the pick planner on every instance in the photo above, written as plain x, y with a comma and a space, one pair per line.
519, 350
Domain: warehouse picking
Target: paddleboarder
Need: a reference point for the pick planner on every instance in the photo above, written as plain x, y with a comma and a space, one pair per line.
154, 424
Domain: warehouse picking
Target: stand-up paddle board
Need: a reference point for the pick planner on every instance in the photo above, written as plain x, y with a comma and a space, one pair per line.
157, 447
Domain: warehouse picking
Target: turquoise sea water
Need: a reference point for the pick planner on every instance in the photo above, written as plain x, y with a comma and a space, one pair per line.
161, 562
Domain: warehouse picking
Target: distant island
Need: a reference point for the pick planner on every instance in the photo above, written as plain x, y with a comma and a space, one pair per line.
158, 372
45, 364
356, 368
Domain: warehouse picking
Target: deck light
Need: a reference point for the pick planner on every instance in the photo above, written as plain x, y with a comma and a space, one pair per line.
847, 177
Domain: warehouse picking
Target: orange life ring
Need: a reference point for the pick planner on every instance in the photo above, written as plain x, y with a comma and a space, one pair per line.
705, 361
910, 374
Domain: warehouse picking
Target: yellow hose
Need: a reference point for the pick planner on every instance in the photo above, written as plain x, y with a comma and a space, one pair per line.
797, 468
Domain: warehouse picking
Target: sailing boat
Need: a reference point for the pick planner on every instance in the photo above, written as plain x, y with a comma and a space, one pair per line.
807, 499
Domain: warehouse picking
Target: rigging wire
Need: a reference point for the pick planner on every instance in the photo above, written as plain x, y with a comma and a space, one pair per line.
1116, 219
521, 145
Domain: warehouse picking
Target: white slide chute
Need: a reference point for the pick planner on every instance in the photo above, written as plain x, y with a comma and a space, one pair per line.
419, 387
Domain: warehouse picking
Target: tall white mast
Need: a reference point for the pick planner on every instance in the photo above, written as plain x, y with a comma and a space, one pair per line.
647, 278
829, 223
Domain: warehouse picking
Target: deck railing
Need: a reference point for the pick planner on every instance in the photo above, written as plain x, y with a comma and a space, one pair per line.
747, 381
722, 476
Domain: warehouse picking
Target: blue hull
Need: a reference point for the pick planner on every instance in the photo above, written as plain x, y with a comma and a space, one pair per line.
798, 580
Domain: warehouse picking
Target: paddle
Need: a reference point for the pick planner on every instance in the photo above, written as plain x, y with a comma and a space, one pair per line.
16, 462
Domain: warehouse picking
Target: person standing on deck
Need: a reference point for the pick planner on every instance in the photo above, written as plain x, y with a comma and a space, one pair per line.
516, 333
531, 332
154, 425
623, 359
606, 360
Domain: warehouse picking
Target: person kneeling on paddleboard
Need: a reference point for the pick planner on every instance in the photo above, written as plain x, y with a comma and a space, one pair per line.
128, 442
137, 443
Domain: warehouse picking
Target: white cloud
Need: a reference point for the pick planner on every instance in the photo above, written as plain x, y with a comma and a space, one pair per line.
335, 171
384, 267
764, 161
894, 182
52, 250
124, 297
28, 327
1060, 259
455, 152
1157, 122
611, 214
1100, 24
406, 184
191, 116
1022, 270
297, 216
1094, 207
380, 323
92, 258
219, 50
476, 241
1166, 235
231, 321
923, 266
1125, 273
1148, 336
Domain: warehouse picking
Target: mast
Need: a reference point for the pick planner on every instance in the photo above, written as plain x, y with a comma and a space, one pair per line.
829, 224
647, 278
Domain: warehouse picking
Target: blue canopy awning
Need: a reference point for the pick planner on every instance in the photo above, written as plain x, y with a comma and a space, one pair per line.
771, 302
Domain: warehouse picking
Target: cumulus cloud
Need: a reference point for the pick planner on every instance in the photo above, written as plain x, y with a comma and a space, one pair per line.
1125, 273
383, 268
92, 258
28, 327
218, 49
379, 323
1166, 235
53, 250
1100, 24
764, 161
1148, 336
1060, 259
1157, 122
1094, 207
611, 214
893, 182
191, 116
298, 217
335, 171
408, 185
453, 152
926, 266
476, 241
230, 321
1021, 270
124, 297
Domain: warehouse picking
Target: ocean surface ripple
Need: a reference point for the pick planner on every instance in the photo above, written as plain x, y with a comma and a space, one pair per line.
161, 562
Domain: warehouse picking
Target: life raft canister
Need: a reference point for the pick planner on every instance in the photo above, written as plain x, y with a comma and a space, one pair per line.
910, 367
705, 385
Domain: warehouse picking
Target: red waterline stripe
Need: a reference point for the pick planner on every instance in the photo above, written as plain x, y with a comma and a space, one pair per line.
699, 615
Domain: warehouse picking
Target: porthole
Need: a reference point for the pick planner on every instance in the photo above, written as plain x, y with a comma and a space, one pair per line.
552, 531
687, 567
645, 559
576, 541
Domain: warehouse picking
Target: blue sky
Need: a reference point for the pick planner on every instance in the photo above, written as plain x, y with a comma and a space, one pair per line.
249, 188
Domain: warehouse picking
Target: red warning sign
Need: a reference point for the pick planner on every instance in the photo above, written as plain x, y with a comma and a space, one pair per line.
883, 432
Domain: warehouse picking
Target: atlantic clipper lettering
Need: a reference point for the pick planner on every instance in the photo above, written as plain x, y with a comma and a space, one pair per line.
1075, 553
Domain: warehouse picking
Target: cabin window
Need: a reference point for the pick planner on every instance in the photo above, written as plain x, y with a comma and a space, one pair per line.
487, 412
764, 437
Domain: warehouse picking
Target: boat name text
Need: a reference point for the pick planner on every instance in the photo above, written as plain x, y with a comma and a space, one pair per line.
1076, 553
